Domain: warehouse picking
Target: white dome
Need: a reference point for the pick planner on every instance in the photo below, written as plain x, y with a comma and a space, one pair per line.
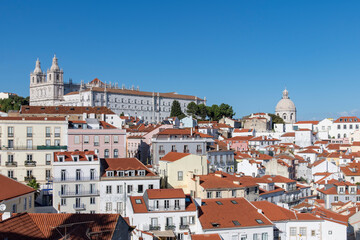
285, 105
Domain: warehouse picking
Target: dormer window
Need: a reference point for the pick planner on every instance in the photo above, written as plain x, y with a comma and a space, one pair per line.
120, 173
61, 158
109, 173
90, 158
141, 172
75, 158
131, 173
341, 189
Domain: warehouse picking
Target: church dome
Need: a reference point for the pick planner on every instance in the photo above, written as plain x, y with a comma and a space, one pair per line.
285, 104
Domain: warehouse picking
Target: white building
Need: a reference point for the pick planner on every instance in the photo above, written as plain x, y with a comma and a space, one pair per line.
286, 108
343, 127
122, 178
49, 89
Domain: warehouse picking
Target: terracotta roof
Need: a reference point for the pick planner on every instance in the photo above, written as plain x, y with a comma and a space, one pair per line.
289, 134
174, 156
321, 142
308, 151
278, 179
12, 188
222, 180
165, 193
228, 213
263, 138
106, 125
240, 138
142, 93
277, 213
67, 110
47, 226
243, 130
330, 215
347, 120
214, 236
32, 118
333, 146
82, 155
124, 164
352, 169
185, 131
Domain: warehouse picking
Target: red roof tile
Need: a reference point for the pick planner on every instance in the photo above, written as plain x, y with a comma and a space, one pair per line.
124, 164
174, 156
165, 193
12, 189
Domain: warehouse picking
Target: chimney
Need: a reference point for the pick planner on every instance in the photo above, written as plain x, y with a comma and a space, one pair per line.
228, 146
6, 215
260, 211
217, 147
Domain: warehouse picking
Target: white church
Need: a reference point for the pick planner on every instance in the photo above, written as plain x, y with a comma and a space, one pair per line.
49, 89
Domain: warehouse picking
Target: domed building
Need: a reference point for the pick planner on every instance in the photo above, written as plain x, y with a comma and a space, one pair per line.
286, 108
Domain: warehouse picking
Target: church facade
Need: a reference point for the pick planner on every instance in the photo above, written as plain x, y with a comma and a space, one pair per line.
49, 89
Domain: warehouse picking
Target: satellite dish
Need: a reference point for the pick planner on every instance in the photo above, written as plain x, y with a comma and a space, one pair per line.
2, 207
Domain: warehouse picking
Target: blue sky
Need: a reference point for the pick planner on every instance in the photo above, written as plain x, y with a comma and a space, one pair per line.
239, 52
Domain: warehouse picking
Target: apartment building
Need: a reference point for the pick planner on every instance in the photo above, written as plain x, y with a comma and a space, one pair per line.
28, 144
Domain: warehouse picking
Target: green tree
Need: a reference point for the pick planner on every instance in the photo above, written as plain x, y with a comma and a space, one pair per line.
35, 185
226, 110
192, 109
202, 111
176, 110
213, 112
275, 119
13, 103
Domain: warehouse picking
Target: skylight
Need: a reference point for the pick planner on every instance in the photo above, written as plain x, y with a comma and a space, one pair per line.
138, 201
215, 224
219, 203
259, 221
236, 223
234, 202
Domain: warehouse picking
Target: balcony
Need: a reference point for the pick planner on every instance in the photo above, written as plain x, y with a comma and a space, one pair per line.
14, 178
170, 227
79, 207
82, 179
198, 150
154, 227
182, 226
28, 178
45, 147
48, 162
186, 150
79, 194
162, 152
30, 164
173, 150
11, 164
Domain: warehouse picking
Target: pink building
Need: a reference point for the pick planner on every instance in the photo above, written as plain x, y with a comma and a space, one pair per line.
239, 143
92, 135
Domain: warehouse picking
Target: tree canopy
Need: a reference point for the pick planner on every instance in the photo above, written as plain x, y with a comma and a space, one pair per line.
213, 112
176, 110
13, 103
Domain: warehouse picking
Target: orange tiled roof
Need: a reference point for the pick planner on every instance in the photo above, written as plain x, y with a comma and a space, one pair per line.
221, 180
165, 193
124, 164
278, 179
32, 118
12, 188
174, 156
289, 134
222, 216
347, 119
214, 236
308, 122
81, 154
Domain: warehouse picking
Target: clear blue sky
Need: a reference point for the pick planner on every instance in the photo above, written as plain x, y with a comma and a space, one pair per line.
239, 52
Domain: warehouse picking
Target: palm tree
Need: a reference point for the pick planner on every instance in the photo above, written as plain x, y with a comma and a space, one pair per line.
35, 185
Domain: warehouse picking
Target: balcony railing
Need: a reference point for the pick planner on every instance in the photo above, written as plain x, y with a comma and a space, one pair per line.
14, 178
40, 147
80, 193
154, 227
45, 147
186, 150
184, 226
11, 164
82, 179
80, 206
30, 163
28, 178
173, 150
170, 208
170, 227
198, 150
48, 162
161, 151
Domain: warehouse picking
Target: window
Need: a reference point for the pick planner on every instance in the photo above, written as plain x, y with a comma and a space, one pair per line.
75, 158
96, 140
151, 186
106, 153
358, 199
169, 221
119, 207
89, 158
236, 223
10, 131
29, 173
219, 203
29, 131
177, 204
77, 139
116, 153
63, 175
47, 132
92, 174
264, 236
293, 231
63, 189
166, 204
48, 173
218, 194
234, 202
106, 139
78, 174
312, 233
57, 142
259, 221
63, 202
108, 189
11, 158
255, 236
180, 175
92, 200
119, 189
92, 188
154, 222
129, 188
29, 144
30, 201
57, 132
11, 174
209, 195
303, 231
138, 201
108, 206
116, 139
192, 220
183, 221
10, 144
141, 172
346, 198
233, 193
330, 232
120, 173
140, 188
336, 198
77, 189
48, 159
47, 142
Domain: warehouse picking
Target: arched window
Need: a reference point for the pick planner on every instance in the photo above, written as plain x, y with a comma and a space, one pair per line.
344, 135
106, 153
291, 116
33, 79
49, 76
284, 116
116, 153
339, 135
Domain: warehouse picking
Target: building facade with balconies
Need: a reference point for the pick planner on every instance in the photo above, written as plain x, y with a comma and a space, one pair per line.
27, 145
164, 212
122, 178
76, 182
